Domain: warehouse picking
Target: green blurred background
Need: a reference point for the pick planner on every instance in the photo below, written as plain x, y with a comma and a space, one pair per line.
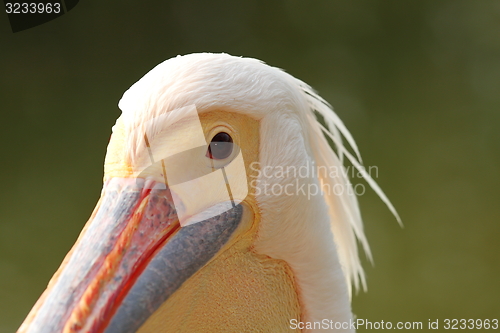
416, 82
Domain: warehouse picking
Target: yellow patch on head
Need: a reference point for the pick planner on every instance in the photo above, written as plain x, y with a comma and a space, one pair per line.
238, 290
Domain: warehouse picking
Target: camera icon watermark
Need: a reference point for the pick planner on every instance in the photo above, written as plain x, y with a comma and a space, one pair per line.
295, 180
171, 149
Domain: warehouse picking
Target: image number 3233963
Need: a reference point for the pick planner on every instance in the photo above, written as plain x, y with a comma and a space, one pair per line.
26, 14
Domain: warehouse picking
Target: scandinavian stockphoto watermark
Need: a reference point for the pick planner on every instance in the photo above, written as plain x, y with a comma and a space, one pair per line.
28, 14
308, 179
352, 324
171, 148
430, 324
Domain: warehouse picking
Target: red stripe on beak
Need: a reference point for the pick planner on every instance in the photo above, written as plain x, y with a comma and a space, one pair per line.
131, 223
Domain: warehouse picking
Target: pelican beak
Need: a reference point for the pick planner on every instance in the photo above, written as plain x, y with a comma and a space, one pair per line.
131, 257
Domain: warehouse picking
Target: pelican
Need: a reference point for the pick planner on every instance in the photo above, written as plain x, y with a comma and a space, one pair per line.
224, 209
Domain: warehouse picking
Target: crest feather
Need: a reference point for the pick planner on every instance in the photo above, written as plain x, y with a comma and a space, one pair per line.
345, 216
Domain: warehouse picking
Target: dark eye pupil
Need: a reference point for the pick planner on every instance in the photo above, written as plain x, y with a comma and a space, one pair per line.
220, 147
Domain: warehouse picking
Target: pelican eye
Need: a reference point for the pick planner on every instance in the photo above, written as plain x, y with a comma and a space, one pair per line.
220, 147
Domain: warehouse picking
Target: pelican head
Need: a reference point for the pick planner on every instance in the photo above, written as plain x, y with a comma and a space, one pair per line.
223, 208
